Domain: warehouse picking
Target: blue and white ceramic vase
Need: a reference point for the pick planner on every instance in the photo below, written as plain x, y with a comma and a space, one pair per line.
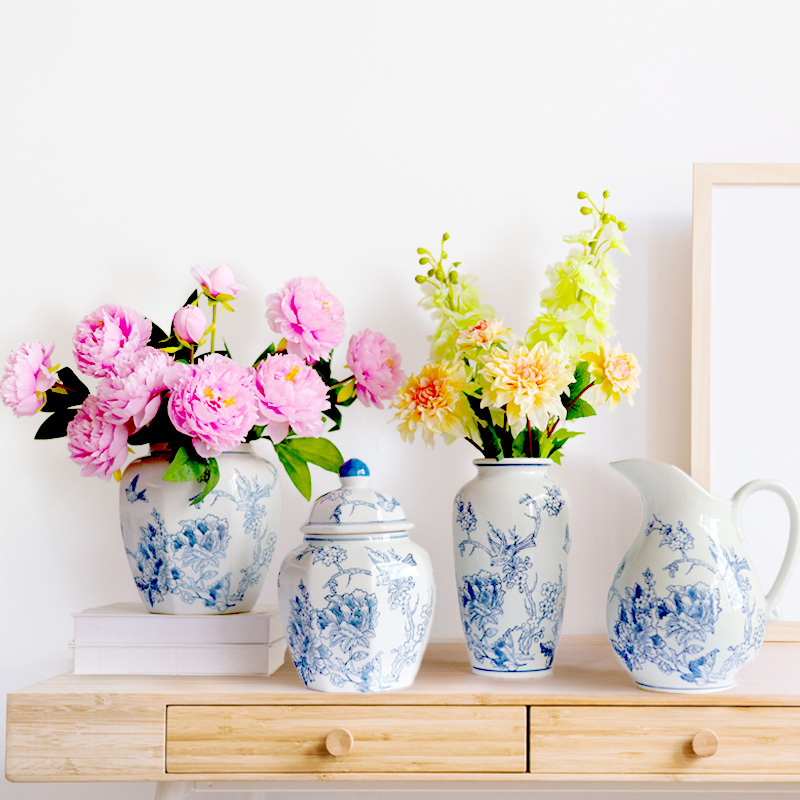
356, 598
511, 537
685, 610
208, 558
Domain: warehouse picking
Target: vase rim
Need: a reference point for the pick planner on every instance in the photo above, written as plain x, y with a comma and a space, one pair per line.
512, 462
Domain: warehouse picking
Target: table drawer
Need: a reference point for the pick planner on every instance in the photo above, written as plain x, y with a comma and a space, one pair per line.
659, 740
273, 739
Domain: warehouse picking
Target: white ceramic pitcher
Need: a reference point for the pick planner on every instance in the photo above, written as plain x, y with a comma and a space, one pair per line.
685, 610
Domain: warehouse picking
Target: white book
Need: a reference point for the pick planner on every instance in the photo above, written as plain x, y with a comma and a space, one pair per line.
178, 659
132, 623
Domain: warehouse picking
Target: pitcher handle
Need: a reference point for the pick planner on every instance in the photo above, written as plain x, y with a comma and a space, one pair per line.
773, 596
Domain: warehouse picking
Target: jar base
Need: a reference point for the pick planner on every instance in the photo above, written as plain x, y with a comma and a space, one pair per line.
701, 690
514, 675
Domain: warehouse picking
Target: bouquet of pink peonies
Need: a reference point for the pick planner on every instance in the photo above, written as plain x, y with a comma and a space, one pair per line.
166, 389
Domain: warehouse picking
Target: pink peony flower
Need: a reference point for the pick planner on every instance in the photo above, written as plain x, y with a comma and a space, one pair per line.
213, 401
290, 393
98, 446
27, 377
375, 363
308, 317
189, 323
220, 283
105, 334
134, 393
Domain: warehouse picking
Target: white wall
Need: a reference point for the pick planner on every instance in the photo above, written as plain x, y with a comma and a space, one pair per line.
139, 138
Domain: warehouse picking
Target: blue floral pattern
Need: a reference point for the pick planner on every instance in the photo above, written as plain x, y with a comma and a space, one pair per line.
191, 561
672, 625
498, 636
339, 642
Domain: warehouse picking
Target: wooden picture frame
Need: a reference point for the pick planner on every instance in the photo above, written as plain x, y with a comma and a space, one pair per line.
706, 178
767, 283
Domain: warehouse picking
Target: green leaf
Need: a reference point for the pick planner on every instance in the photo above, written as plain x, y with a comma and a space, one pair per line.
296, 468
321, 452
264, 354
335, 416
192, 298
211, 478
185, 468
55, 425
582, 379
77, 390
580, 408
156, 335
491, 444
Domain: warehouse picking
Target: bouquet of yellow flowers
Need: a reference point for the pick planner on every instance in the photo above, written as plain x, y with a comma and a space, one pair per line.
510, 396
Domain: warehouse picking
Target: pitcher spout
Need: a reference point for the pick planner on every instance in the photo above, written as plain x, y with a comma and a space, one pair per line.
659, 483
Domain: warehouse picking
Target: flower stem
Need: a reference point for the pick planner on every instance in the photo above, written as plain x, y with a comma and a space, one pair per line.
213, 326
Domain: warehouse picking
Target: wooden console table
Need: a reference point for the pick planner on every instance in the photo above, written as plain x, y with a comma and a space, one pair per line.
585, 722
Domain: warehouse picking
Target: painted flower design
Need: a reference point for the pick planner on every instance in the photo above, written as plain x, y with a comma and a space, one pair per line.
28, 376
527, 384
349, 620
290, 394
98, 446
482, 598
104, 335
433, 402
690, 612
308, 316
375, 363
155, 578
616, 373
214, 402
202, 541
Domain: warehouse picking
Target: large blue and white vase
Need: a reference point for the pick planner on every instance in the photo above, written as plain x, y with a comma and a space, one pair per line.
685, 610
511, 538
208, 558
356, 598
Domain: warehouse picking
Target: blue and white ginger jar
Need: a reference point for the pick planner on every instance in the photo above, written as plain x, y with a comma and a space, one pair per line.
685, 610
511, 539
356, 598
207, 558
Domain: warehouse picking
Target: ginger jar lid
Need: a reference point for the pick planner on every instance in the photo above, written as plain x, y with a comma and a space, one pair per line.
356, 507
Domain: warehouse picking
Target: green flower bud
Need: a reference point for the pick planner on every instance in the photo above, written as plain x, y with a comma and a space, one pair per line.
420, 279
582, 195
421, 250
440, 274
453, 276
445, 237
585, 211
606, 194
622, 226
423, 260
444, 256
606, 218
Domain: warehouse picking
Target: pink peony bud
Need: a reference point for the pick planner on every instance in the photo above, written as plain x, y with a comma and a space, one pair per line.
309, 317
375, 363
98, 446
220, 283
104, 335
27, 377
189, 323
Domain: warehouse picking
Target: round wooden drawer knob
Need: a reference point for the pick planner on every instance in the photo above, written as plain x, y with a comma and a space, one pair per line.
705, 743
339, 742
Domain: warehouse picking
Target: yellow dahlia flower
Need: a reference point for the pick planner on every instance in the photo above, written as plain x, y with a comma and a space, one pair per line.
527, 384
433, 402
617, 373
482, 336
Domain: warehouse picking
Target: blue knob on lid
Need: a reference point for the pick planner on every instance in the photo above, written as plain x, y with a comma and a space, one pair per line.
353, 467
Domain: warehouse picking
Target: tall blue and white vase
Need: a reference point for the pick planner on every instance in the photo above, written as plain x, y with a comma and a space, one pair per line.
511, 538
356, 598
208, 558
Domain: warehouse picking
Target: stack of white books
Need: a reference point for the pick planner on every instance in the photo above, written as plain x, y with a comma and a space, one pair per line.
126, 639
